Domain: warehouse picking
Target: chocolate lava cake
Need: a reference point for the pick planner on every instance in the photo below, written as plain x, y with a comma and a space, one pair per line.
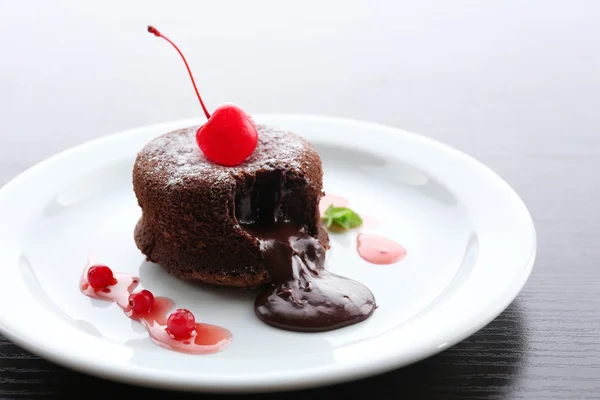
197, 216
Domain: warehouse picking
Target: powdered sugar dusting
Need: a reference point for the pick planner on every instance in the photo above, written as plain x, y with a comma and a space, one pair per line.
177, 156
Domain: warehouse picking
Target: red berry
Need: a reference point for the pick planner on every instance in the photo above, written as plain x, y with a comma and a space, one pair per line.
100, 276
141, 302
181, 323
229, 136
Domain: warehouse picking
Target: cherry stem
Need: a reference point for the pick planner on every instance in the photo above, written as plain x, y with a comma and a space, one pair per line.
155, 31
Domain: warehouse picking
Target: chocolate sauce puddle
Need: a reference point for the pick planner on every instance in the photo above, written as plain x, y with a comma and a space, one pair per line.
302, 295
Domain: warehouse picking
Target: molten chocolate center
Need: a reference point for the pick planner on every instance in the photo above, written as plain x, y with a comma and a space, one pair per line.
302, 295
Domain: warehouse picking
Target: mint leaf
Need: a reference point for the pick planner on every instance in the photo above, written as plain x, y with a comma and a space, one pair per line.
327, 217
341, 217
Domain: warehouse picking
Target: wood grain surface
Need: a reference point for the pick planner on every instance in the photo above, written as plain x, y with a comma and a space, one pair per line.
514, 83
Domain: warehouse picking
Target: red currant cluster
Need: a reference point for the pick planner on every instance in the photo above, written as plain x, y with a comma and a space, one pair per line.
180, 324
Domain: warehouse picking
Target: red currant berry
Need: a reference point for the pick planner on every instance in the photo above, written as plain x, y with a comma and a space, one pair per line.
141, 302
100, 276
181, 323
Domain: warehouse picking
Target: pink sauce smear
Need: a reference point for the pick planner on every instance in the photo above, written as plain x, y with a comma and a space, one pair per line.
379, 250
369, 221
205, 340
330, 199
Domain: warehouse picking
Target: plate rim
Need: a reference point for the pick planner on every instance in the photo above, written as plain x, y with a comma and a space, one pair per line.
338, 376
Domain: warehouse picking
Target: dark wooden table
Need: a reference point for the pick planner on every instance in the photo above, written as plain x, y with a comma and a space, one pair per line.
515, 84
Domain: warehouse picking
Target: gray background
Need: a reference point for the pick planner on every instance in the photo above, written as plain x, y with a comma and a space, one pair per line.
514, 83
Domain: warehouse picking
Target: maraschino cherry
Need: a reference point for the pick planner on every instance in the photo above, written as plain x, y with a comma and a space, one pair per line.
229, 136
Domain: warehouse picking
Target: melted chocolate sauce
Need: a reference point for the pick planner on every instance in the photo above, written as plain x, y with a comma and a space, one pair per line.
302, 295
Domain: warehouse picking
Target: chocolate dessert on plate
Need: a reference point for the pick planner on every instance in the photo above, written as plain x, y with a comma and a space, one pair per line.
236, 204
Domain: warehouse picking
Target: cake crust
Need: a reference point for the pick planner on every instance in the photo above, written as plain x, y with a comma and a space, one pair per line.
194, 211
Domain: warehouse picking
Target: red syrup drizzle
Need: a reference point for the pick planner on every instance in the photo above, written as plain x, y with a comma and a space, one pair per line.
205, 339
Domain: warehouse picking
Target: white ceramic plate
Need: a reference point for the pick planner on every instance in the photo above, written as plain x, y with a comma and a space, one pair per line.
470, 241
